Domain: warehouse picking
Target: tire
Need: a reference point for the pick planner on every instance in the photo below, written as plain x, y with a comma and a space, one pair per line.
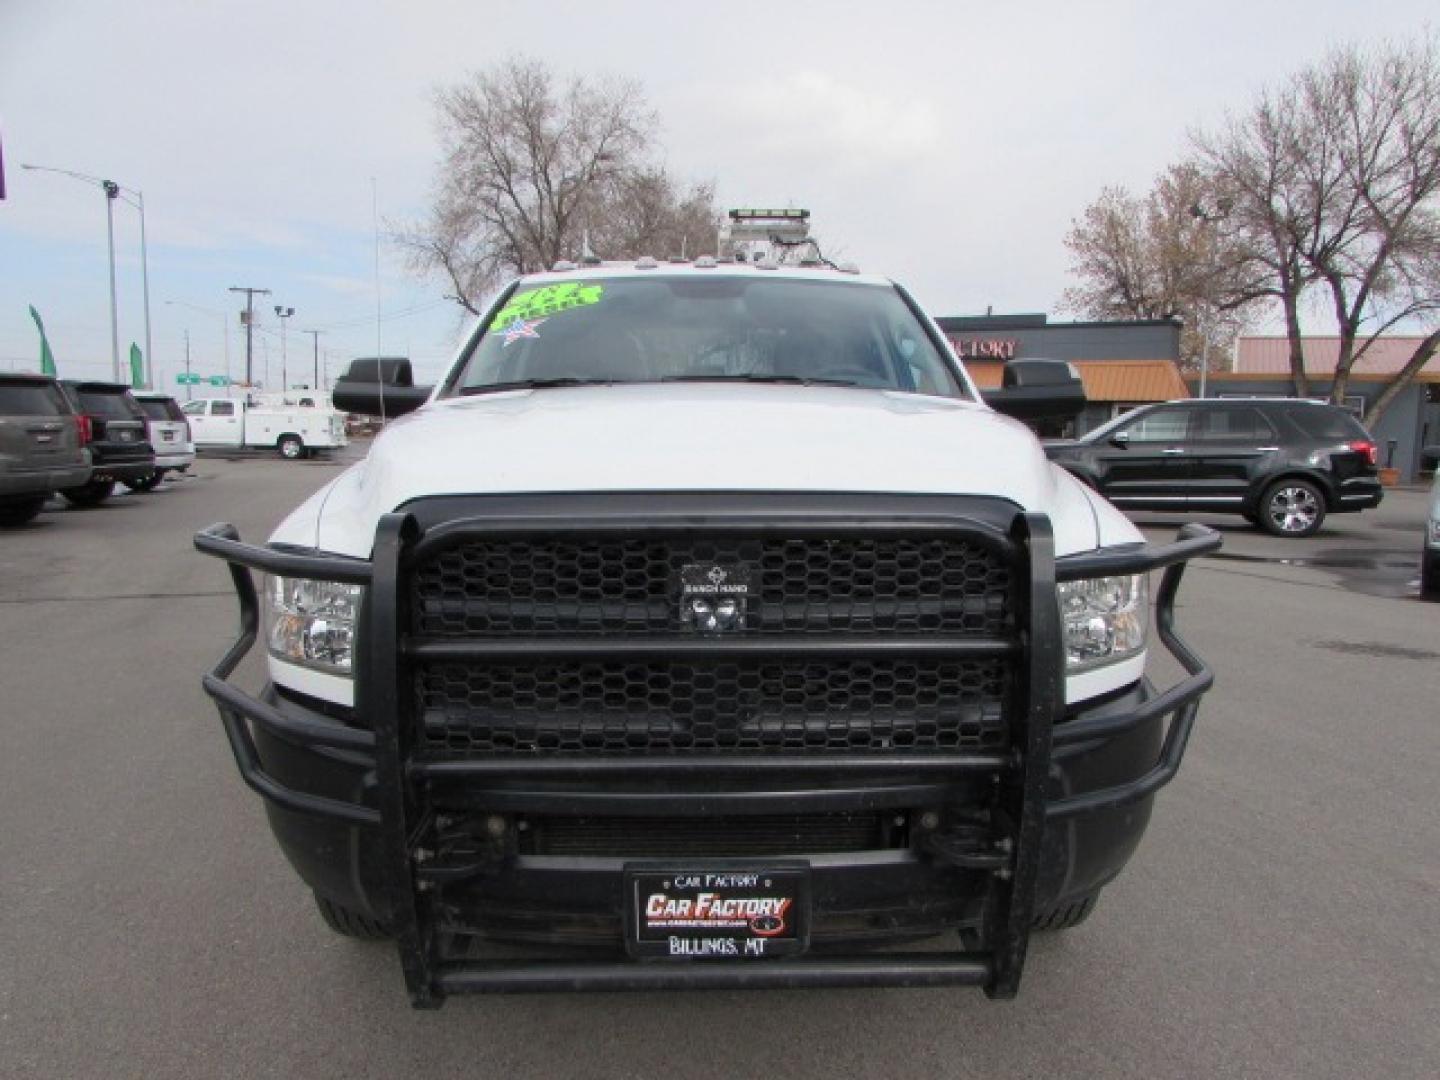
1430, 575
291, 447
349, 923
1067, 915
146, 483
91, 494
20, 513
1292, 508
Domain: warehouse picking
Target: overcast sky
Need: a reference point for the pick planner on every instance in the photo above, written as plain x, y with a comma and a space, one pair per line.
947, 145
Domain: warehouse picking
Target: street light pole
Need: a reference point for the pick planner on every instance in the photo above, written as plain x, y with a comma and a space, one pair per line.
1209, 218
112, 191
283, 313
145, 284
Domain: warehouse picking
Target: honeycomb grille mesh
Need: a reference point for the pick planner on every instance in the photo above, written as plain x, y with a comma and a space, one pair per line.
697, 707
510, 589
574, 588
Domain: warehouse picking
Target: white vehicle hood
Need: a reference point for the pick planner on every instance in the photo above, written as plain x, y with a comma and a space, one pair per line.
700, 437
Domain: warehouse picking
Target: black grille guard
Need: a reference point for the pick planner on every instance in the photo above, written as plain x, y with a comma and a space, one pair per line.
888, 778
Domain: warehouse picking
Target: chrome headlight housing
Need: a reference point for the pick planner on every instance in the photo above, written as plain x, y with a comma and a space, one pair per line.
1104, 620
312, 623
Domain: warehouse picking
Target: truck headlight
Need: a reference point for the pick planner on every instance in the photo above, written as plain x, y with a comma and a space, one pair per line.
1103, 619
312, 623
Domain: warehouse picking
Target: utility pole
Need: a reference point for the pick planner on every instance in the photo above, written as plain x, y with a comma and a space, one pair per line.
249, 329
283, 313
315, 338
188, 392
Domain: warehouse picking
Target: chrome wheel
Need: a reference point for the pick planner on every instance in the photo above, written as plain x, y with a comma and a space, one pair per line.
1294, 509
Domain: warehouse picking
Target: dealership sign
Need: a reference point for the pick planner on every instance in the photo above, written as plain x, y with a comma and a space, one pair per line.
985, 348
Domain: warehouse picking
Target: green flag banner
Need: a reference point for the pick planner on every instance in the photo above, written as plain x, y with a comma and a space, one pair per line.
47, 358
137, 367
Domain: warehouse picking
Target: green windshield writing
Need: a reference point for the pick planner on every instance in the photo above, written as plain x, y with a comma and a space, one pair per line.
550, 300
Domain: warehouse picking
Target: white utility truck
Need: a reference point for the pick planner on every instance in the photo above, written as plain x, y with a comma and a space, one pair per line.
294, 431
706, 627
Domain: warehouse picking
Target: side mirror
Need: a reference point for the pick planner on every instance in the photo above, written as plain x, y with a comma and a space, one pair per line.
379, 387
1120, 440
1038, 390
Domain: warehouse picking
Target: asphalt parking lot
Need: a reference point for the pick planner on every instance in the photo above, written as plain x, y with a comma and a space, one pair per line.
1279, 920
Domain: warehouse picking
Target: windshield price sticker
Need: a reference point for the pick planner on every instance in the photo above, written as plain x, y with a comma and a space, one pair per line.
720, 913
535, 304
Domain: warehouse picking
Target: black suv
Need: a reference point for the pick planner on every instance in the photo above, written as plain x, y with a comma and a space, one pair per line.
1282, 463
42, 445
119, 443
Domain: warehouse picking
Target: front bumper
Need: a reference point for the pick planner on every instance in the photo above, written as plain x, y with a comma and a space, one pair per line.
346, 802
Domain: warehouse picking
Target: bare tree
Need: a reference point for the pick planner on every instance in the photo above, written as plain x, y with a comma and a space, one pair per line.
1334, 178
535, 167
1376, 184
1161, 256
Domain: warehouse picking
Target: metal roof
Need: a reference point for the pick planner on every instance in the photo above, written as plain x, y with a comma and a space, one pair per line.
1271, 356
1105, 380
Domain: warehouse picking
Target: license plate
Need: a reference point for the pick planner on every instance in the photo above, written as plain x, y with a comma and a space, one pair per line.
717, 911
167, 436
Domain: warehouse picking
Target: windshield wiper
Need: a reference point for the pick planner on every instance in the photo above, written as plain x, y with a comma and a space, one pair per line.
533, 384
790, 380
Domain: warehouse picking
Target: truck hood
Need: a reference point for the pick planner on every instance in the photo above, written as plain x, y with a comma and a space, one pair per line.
699, 437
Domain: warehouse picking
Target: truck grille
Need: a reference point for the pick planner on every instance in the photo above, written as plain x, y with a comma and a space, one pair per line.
571, 588
540, 590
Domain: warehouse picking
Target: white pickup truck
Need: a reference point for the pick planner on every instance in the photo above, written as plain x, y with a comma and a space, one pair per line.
295, 431
702, 614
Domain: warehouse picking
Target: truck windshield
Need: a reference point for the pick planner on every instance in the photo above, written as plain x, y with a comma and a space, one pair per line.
691, 329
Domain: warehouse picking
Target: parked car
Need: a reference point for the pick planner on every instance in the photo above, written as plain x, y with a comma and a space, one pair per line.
1282, 463
1430, 550
705, 623
169, 435
42, 445
294, 431
119, 447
